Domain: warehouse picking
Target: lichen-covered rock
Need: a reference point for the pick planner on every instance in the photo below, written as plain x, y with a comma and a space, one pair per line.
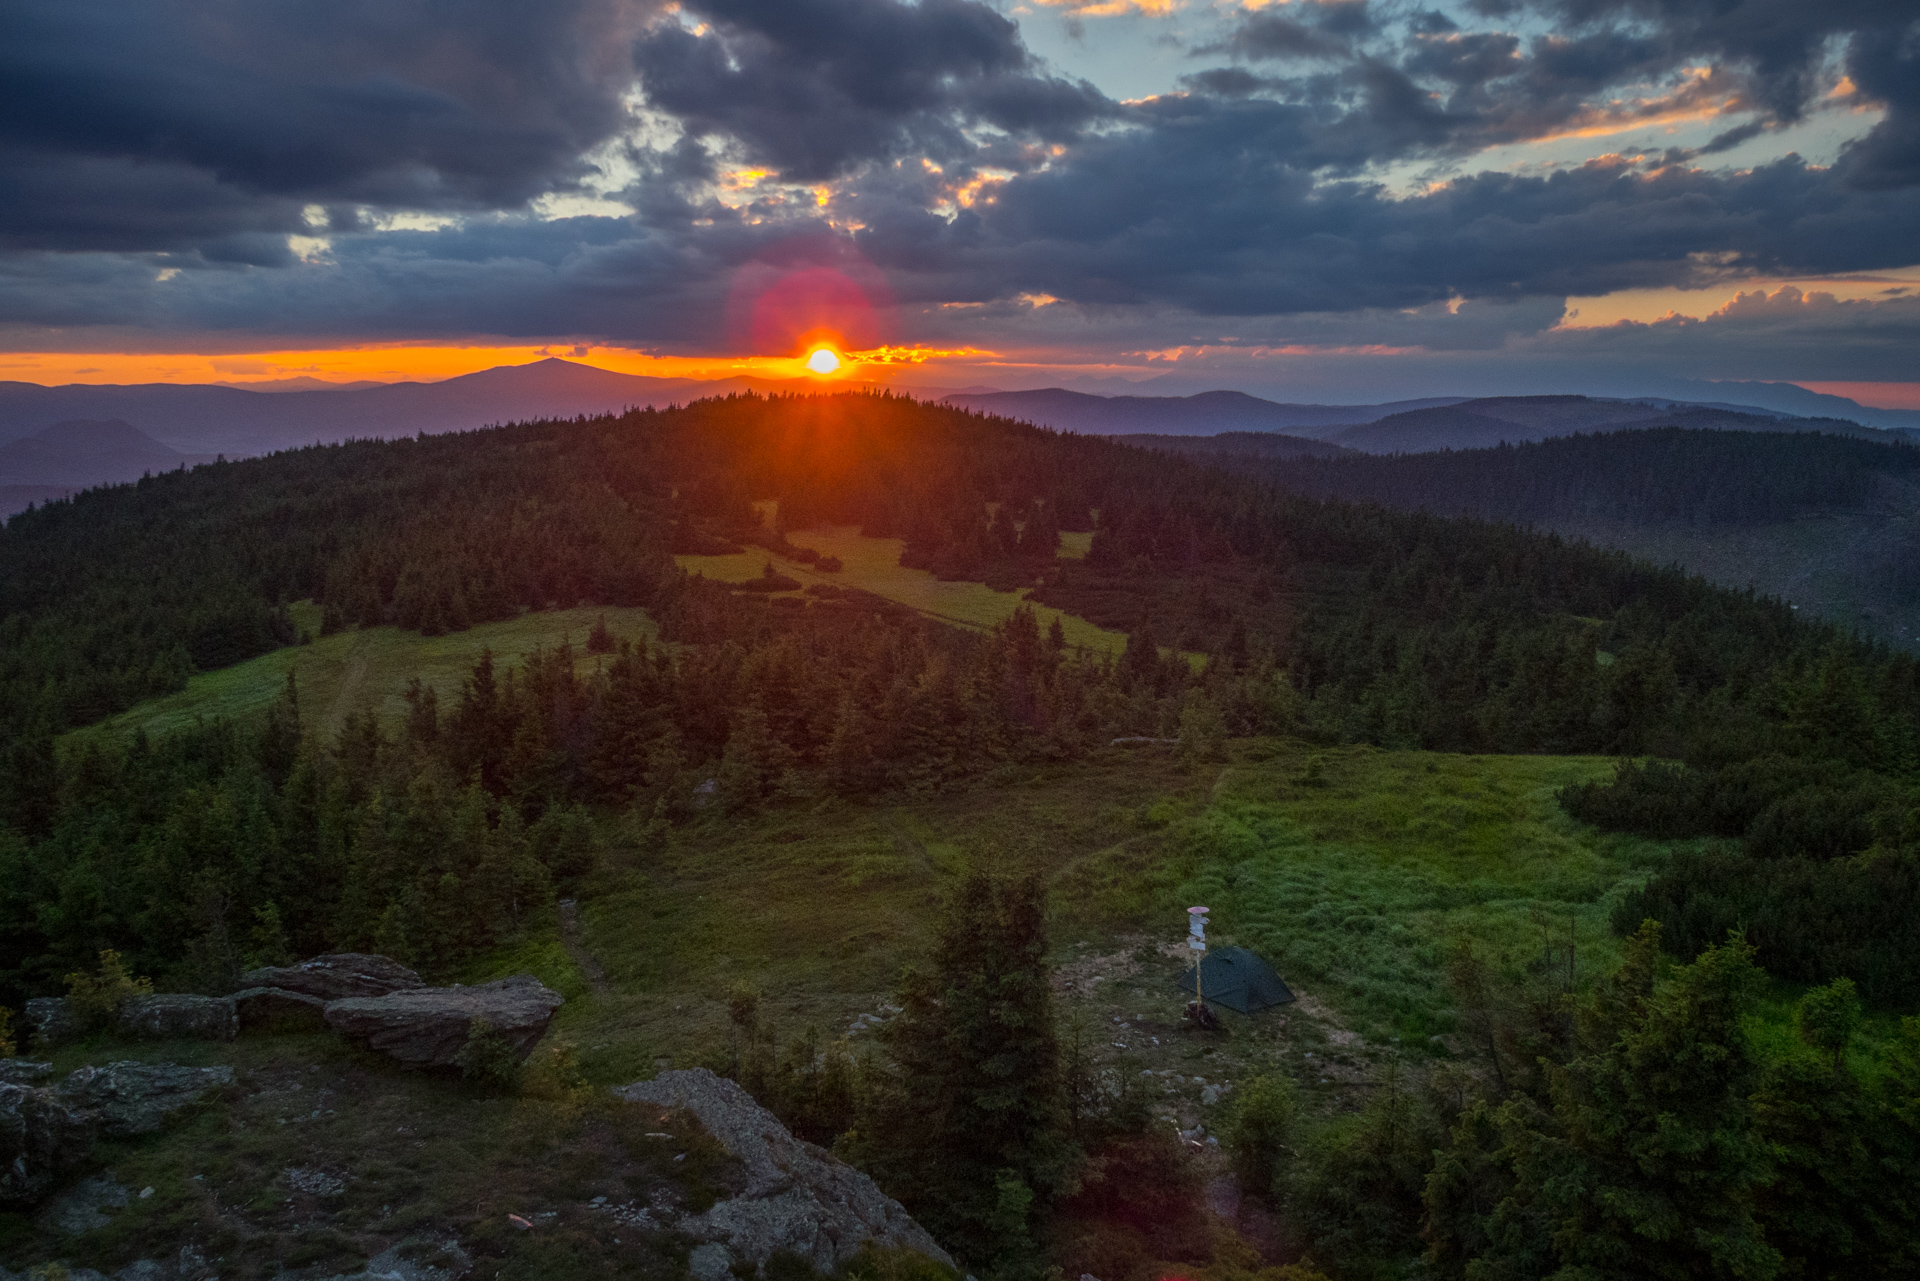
177, 1016
23, 1072
41, 1137
337, 976
138, 1098
275, 1009
54, 1020
798, 1197
428, 1026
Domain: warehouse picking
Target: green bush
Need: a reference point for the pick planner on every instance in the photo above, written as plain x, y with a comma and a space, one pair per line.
97, 997
1257, 1129
489, 1059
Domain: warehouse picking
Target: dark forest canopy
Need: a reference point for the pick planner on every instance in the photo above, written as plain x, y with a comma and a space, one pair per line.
1334, 620
1665, 475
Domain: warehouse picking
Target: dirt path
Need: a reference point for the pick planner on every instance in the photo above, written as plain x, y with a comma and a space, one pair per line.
570, 936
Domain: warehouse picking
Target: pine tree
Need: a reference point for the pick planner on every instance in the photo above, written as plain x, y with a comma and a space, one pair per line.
974, 1128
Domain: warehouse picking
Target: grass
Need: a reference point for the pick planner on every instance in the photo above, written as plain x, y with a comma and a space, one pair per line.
1352, 870
365, 668
873, 564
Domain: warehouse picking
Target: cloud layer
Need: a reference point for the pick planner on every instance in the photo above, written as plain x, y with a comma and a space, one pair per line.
399, 170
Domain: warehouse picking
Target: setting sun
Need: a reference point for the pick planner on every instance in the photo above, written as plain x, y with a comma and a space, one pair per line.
823, 361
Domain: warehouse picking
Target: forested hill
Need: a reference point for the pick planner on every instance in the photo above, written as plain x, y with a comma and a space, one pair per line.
1666, 475
1401, 627
1333, 621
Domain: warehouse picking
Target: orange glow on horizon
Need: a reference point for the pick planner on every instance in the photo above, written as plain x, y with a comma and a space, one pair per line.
1872, 395
391, 364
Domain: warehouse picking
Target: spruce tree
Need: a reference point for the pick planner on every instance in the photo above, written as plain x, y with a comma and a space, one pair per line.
971, 1131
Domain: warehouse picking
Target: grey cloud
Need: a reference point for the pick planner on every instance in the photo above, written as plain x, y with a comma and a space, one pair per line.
815, 88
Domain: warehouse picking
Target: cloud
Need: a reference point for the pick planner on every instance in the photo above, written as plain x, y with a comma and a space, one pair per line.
227, 115
814, 88
379, 170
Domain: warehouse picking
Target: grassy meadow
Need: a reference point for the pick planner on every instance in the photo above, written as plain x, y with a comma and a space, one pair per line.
873, 564
1353, 870
366, 668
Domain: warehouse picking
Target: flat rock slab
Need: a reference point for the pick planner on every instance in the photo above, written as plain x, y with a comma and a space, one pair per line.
428, 1026
54, 1020
337, 976
177, 1017
276, 1009
41, 1138
139, 1098
23, 1072
799, 1197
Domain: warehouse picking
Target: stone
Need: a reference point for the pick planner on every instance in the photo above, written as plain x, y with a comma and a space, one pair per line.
428, 1026
798, 1197
84, 1206
710, 1262
41, 1138
278, 1010
337, 976
23, 1072
54, 1020
1210, 1095
177, 1016
138, 1098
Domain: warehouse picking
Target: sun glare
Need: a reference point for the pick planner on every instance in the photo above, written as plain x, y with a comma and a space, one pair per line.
823, 361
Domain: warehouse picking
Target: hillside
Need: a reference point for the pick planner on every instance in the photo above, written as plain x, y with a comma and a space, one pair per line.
1829, 523
1485, 423
1204, 414
860, 853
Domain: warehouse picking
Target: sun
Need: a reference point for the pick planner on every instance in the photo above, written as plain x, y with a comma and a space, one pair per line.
822, 360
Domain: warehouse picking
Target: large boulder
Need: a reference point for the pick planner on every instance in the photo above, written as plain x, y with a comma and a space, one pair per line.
798, 1197
23, 1072
275, 1009
176, 1016
54, 1020
41, 1138
428, 1026
337, 976
138, 1098
168, 1017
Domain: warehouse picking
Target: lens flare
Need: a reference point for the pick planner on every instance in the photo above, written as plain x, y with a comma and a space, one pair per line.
823, 361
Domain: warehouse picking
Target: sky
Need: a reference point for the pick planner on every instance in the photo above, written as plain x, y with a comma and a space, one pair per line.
1333, 200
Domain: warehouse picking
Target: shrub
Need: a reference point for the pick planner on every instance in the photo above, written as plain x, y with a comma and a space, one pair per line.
96, 998
1257, 1129
7, 1047
489, 1059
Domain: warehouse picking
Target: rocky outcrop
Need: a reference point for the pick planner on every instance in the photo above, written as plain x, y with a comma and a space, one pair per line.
23, 1072
41, 1138
139, 1098
177, 1016
274, 1009
337, 976
429, 1026
170, 1017
54, 1020
47, 1131
798, 1197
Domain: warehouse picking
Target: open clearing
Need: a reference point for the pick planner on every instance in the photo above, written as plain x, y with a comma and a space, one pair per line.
873, 564
1353, 870
366, 668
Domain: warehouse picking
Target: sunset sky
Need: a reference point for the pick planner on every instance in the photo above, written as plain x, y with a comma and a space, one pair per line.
1306, 199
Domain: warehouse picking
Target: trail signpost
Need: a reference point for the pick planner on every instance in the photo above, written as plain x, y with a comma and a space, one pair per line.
1197, 1010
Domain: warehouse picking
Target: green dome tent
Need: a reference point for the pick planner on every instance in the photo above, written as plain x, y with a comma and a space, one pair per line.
1239, 980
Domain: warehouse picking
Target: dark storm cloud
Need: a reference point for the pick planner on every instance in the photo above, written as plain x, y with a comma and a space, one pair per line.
228, 115
154, 159
814, 88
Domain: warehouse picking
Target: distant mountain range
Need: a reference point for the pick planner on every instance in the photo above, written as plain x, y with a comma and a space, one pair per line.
1401, 427
78, 453
1207, 414
156, 426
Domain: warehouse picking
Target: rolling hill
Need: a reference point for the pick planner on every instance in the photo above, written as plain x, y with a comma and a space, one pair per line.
1206, 414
